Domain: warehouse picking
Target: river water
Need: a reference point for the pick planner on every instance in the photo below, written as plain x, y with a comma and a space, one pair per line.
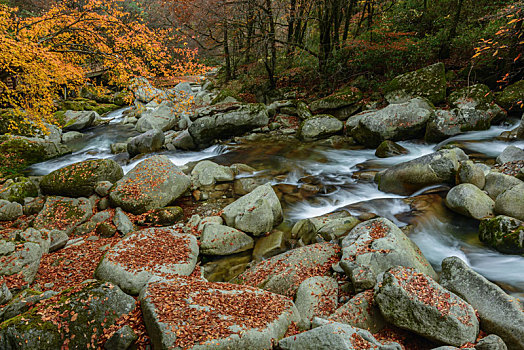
437, 231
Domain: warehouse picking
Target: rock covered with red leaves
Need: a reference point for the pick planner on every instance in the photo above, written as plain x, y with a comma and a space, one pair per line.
257, 212
335, 336
63, 214
190, 313
80, 179
361, 312
413, 301
316, 297
160, 252
153, 183
373, 247
283, 273
73, 319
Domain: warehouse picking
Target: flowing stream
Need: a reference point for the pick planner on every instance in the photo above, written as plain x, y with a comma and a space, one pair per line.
438, 232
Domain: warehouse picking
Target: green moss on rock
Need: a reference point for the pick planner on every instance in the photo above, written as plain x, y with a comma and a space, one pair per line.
504, 233
512, 96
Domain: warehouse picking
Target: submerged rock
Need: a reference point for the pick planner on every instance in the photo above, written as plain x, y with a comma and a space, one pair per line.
152, 183
414, 301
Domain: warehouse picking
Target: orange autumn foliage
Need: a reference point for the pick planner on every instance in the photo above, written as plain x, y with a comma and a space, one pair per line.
49, 52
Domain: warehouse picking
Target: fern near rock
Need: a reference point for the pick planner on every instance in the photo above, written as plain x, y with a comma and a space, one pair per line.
415, 302
428, 82
80, 179
189, 313
74, 319
499, 313
152, 183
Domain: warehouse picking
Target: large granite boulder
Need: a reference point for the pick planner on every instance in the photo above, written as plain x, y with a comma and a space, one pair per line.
150, 141
226, 120
142, 255
80, 179
373, 247
207, 173
503, 233
162, 118
511, 202
67, 320
447, 123
284, 273
341, 104
499, 313
223, 240
316, 297
21, 259
497, 183
469, 200
510, 154
190, 313
79, 120
320, 127
361, 312
428, 82
257, 212
414, 301
432, 169
153, 183
396, 122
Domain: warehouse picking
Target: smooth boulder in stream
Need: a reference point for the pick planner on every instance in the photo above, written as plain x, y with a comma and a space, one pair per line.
432, 169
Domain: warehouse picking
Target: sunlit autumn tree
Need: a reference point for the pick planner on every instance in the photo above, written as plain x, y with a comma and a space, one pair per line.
47, 52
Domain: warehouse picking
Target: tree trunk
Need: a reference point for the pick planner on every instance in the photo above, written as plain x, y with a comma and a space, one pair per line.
446, 46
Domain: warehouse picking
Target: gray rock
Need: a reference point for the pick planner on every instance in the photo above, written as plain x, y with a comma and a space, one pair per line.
511, 202
499, 313
150, 141
373, 247
345, 98
320, 127
268, 246
122, 222
361, 312
42, 238
396, 122
226, 120
447, 123
283, 273
184, 141
63, 214
428, 82
510, 154
207, 173
497, 183
190, 301
71, 136
223, 240
58, 240
80, 179
5, 294
335, 336
133, 261
25, 261
432, 169
336, 228
469, 200
503, 233
119, 147
316, 297
257, 212
491, 342
23, 302
144, 91
153, 183
107, 303
79, 120
472, 173
102, 188
10, 210
18, 189
162, 118
414, 301
121, 339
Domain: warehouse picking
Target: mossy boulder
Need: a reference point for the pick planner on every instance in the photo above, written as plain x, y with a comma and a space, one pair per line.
80, 179
504, 233
475, 96
60, 213
428, 82
510, 97
83, 104
320, 127
74, 319
15, 190
390, 149
341, 103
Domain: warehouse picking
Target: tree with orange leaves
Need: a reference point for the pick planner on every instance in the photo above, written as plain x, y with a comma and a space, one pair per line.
43, 53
